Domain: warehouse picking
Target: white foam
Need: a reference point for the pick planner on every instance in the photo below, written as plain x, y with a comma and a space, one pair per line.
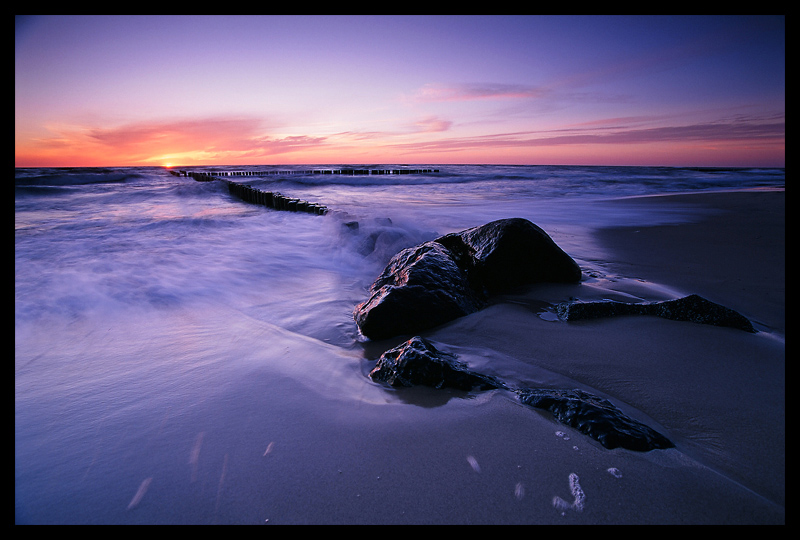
577, 492
579, 497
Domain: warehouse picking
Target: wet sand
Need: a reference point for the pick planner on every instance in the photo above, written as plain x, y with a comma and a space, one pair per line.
286, 429
735, 255
717, 393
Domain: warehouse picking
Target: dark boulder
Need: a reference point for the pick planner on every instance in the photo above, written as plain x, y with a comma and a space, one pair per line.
438, 281
418, 362
507, 253
420, 288
692, 308
595, 417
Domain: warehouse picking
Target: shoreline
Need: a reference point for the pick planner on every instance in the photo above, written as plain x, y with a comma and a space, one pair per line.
733, 255
246, 422
718, 393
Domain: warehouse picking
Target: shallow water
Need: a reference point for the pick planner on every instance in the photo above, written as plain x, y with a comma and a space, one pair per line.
142, 299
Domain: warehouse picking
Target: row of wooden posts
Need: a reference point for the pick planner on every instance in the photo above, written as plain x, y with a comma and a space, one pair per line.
276, 200
348, 172
269, 199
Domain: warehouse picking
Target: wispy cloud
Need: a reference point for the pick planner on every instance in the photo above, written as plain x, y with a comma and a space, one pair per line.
291, 143
428, 124
232, 137
476, 91
431, 124
247, 139
206, 139
207, 132
742, 130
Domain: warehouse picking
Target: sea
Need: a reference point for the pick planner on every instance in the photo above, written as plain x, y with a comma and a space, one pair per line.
146, 301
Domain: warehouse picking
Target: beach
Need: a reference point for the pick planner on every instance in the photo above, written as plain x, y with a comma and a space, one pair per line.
399, 270
187, 391
742, 267
719, 393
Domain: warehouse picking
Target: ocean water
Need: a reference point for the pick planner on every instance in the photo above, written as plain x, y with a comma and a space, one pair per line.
143, 300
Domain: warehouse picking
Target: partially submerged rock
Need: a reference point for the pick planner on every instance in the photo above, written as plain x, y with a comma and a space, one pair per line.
438, 281
691, 308
419, 362
595, 417
420, 288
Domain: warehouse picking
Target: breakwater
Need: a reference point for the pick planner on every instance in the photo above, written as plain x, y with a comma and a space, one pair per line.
347, 172
274, 200
278, 201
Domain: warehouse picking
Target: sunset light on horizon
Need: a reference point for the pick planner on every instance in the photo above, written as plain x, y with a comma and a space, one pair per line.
274, 90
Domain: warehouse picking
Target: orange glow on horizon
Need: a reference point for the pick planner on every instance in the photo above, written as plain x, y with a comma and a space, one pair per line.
243, 141
739, 153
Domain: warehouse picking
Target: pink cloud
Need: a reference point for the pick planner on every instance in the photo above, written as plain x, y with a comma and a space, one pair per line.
246, 139
432, 124
269, 146
766, 130
148, 142
429, 124
734, 142
180, 135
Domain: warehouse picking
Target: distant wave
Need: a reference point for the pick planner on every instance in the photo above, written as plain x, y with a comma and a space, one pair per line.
540, 181
374, 180
74, 176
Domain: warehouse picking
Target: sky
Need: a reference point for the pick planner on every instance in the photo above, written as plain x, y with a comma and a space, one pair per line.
272, 90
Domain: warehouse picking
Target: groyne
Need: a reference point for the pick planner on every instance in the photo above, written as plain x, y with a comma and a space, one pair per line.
278, 201
347, 172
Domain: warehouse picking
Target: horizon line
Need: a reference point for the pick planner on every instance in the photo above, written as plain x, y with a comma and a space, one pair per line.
339, 165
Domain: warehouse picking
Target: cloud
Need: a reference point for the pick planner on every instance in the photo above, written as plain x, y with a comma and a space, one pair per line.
234, 137
710, 131
476, 91
291, 143
179, 135
248, 139
766, 130
431, 124
203, 139
428, 124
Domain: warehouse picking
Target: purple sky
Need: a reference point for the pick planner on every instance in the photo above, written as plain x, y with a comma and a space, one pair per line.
158, 90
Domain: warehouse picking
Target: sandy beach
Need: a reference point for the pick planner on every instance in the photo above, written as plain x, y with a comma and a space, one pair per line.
718, 393
735, 256
248, 423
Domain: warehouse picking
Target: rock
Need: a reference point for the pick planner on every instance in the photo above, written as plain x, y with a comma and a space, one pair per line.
418, 362
381, 240
350, 226
438, 281
595, 417
507, 253
691, 308
420, 288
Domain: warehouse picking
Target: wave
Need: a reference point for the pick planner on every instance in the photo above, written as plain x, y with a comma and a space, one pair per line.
53, 177
541, 181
